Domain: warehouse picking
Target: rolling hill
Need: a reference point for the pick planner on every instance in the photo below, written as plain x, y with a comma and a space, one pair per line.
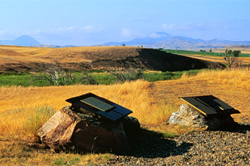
23, 59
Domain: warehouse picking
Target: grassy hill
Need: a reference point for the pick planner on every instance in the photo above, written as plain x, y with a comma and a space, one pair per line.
25, 59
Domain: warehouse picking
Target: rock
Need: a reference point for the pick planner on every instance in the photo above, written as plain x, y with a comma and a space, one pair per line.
189, 116
131, 126
71, 130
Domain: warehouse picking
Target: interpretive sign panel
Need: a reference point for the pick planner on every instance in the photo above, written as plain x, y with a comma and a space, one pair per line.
209, 105
99, 106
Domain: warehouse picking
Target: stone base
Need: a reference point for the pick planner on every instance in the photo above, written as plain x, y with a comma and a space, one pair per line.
189, 116
71, 130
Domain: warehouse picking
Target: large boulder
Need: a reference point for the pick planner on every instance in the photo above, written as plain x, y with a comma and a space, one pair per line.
189, 116
69, 129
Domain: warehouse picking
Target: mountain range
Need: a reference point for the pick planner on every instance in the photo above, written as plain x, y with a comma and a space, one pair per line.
165, 40
155, 40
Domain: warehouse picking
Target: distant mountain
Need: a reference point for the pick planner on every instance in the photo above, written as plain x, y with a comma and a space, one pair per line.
153, 38
54, 46
165, 40
21, 41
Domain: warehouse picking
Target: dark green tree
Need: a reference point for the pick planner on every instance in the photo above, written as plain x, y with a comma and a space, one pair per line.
231, 57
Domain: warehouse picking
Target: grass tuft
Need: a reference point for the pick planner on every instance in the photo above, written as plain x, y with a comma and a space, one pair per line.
38, 118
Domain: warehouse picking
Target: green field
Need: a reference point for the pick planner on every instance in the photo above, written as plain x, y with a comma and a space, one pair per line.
99, 77
199, 53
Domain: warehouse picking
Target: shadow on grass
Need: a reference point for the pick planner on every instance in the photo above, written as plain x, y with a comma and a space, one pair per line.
150, 144
237, 127
144, 143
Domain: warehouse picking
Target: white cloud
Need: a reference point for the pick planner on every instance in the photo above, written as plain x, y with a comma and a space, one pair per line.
159, 34
78, 29
89, 28
155, 35
186, 26
199, 26
126, 33
77, 35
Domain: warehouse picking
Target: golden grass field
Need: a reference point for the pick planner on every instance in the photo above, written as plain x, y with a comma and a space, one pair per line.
23, 59
241, 60
19, 118
22, 108
16, 54
231, 86
243, 49
18, 104
151, 103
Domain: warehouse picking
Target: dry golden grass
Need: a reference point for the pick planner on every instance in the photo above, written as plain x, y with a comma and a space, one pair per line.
151, 103
231, 86
17, 54
242, 60
77, 54
19, 104
243, 49
16, 152
24, 110
20, 117
23, 59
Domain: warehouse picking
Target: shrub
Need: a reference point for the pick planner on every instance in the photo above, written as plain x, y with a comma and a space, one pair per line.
128, 75
231, 57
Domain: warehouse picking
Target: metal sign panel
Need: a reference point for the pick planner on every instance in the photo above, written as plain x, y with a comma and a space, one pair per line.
209, 105
99, 106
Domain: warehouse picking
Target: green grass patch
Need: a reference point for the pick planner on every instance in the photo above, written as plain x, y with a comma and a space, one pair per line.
104, 79
100, 78
20, 80
186, 52
170, 134
66, 161
151, 77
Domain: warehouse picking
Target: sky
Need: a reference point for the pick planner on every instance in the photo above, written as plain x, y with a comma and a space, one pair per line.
93, 22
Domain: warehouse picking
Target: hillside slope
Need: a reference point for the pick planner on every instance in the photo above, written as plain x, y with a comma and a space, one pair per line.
23, 59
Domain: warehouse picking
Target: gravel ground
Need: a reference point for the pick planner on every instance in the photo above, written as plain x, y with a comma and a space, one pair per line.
196, 148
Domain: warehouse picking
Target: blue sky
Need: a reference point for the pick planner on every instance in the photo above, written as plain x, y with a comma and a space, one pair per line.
89, 22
